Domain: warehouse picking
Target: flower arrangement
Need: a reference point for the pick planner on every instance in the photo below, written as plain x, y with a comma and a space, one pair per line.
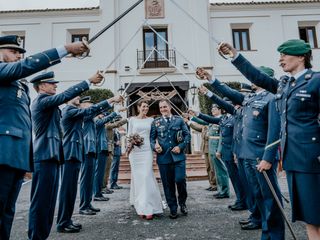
134, 140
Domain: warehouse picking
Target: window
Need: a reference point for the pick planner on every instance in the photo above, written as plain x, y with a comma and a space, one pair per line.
241, 39
308, 34
152, 40
78, 37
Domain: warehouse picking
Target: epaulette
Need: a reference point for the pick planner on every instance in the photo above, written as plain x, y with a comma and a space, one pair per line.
308, 76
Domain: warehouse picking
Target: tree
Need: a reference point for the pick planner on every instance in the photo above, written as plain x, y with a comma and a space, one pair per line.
98, 95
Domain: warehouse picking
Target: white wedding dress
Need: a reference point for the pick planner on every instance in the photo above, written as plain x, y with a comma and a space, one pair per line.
144, 190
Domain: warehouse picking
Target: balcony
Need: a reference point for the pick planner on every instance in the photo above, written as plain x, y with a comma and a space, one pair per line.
156, 60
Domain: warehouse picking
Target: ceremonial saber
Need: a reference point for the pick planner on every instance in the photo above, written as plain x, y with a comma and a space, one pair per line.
269, 146
98, 34
177, 91
145, 85
230, 54
174, 107
275, 196
150, 54
142, 97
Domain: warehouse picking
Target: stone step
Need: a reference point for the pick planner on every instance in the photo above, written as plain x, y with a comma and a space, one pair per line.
191, 176
195, 168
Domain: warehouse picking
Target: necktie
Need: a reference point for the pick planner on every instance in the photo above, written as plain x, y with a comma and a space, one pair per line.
168, 119
292, 81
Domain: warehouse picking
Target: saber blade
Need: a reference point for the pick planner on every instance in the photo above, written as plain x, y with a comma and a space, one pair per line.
98, 34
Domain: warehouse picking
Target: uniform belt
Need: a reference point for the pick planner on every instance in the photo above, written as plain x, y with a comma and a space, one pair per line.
214, 137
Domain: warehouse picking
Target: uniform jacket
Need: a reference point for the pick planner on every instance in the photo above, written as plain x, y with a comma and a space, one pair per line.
226, 131
236, 98
298, 105
260, 127
204, 130
46, 117
213, 134
15, 121
110, 134
166, 134
102, 139
71, 122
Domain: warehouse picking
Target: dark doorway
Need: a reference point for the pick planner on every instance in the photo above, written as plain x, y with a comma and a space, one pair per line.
181, 87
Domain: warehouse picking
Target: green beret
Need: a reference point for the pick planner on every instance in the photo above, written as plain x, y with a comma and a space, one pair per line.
267, 70
294, 47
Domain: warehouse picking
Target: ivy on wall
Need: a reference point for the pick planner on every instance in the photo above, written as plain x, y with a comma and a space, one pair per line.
205, 102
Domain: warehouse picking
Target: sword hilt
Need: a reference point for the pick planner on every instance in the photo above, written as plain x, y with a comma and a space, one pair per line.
225, 56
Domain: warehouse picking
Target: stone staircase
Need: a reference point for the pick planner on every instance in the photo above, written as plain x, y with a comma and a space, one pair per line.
196, 168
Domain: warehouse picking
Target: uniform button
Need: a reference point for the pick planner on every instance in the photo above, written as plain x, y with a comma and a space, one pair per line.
76, 88
169, 141
302, 99
314, 138
77, 141
7, 132
258, 136
285, 99
284, 111
285, 134
37, 60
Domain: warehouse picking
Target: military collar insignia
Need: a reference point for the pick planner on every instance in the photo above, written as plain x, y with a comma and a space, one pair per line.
308, 76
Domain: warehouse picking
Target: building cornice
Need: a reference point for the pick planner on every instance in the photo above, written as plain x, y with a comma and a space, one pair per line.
255, 2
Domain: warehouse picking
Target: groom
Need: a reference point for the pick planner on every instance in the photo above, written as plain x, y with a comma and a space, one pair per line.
168, 137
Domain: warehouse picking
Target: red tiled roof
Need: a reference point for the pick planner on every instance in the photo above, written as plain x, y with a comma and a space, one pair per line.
49, 10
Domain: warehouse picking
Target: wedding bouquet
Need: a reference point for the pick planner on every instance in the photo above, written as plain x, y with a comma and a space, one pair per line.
134, 140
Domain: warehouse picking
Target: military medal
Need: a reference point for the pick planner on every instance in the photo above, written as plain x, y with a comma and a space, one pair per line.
19, 93
255, 113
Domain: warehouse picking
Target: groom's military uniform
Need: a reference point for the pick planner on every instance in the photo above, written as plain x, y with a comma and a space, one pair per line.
171, 132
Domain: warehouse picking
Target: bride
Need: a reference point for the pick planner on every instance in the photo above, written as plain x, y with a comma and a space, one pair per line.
144, 191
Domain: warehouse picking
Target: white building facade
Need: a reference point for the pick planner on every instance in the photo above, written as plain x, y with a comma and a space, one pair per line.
135, 55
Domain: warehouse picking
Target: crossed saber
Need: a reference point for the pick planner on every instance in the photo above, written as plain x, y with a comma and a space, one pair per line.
230, 55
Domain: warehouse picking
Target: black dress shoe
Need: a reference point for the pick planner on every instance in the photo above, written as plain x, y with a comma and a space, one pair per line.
209, 189
173, 215
214, 188
68, 229
87, 212
77, 225
106, 191
220, 196
244, 221
116, 187
216, 194
250, 226
101, 199
94, 209
184, 209
238, 207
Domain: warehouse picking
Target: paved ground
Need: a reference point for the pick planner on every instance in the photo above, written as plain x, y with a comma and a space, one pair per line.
208, 219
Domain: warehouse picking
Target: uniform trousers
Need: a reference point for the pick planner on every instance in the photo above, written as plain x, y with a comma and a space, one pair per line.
99, 173
174, 175
114, 170
272, 221
107, 170
11, 180
86, 180
68, 191
44, 189
255, 216
210, 170
221, 173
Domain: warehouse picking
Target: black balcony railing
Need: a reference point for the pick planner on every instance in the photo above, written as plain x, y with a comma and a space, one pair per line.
163, 59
